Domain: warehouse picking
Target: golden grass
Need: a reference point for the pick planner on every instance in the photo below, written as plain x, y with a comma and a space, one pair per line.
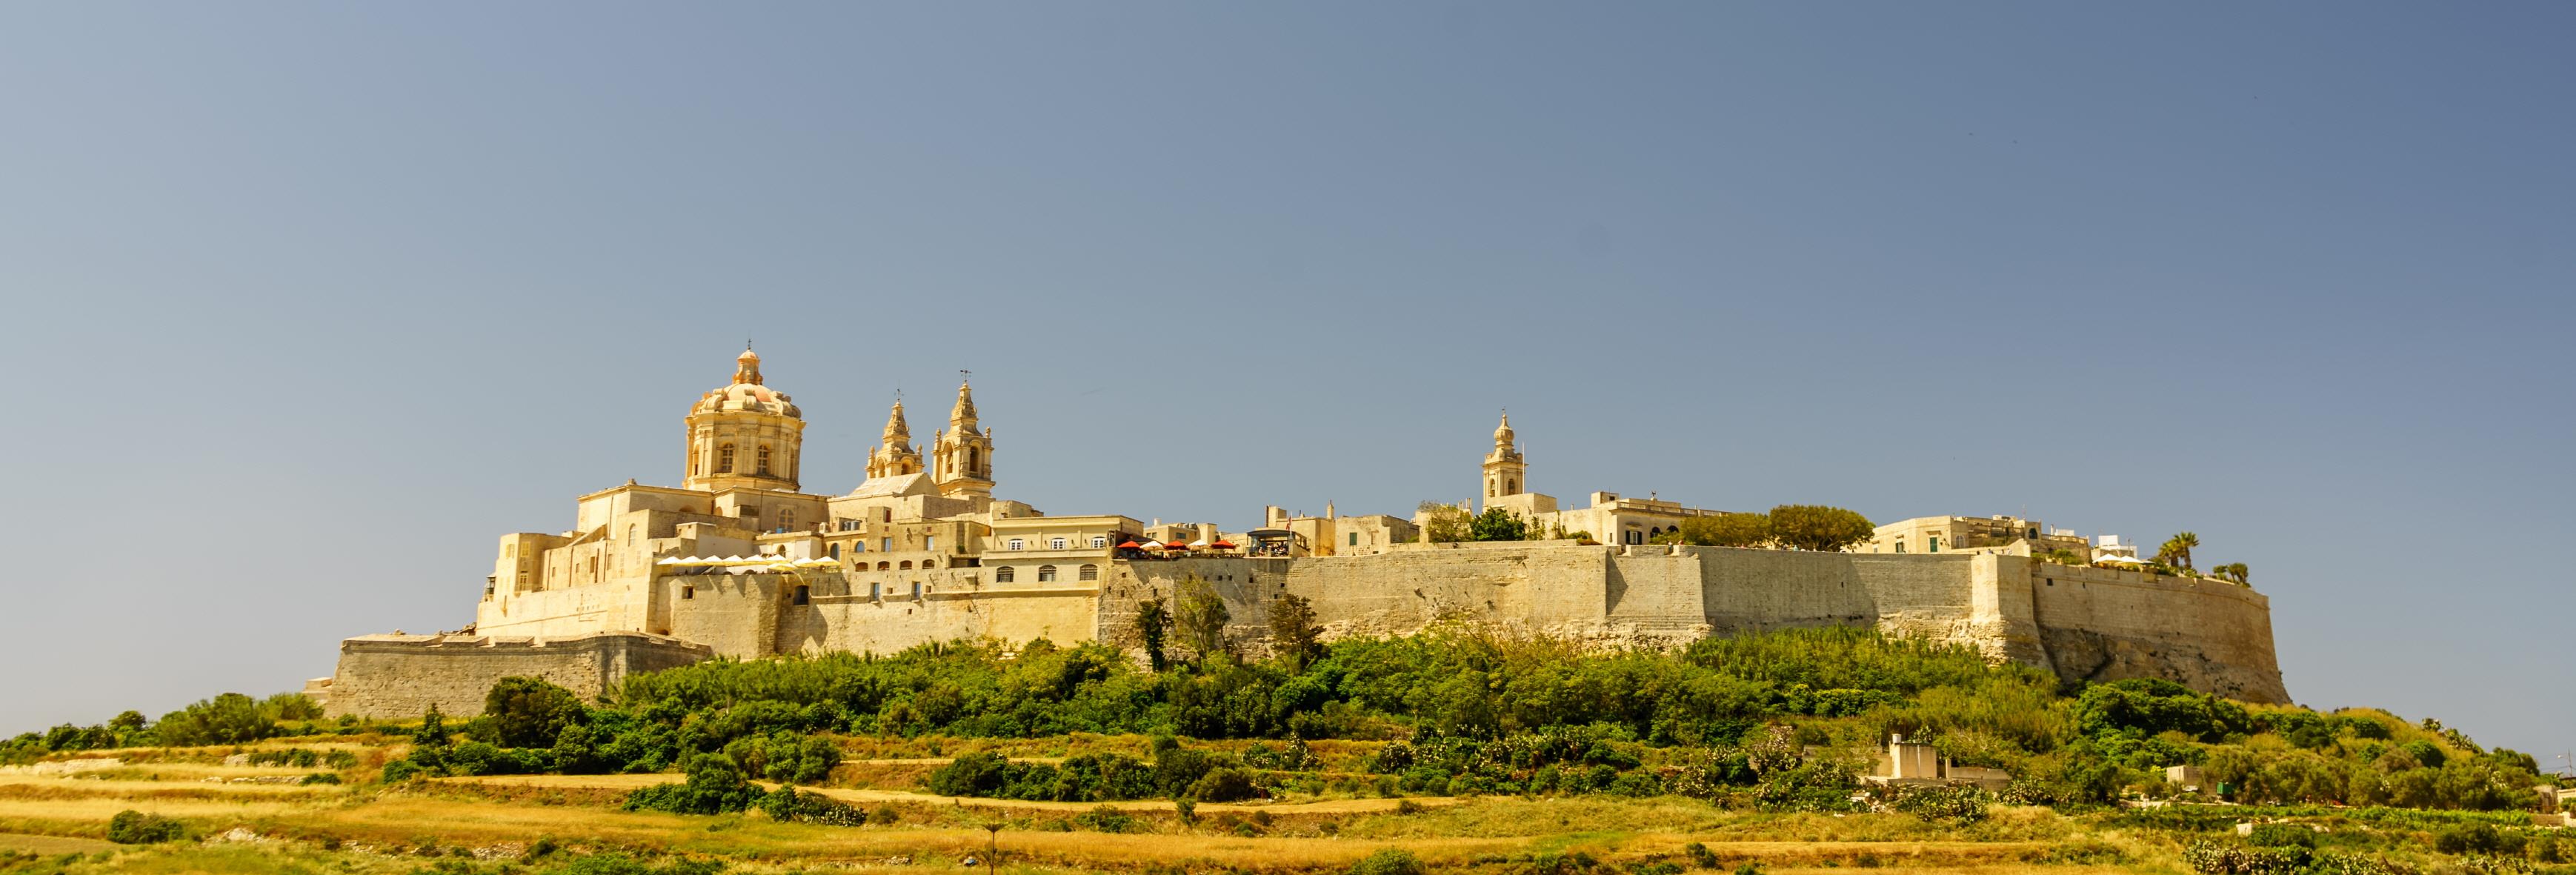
100, 809
44, 844
873, 796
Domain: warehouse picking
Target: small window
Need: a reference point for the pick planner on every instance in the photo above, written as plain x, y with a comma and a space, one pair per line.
873, 589
834, 551
804, 595
688, 592
1015, 544
1355, 539
786, 518
1900, 546
1633, 536
1933, 544
1046, 574
764, 462
1055, 543
930, 542
885, 545
916, 589
724, 459
905, 565
885, 566
1098, 542
930, 563
1003, 574
1089, 572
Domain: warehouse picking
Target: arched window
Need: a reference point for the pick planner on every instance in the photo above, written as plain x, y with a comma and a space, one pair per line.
930, 563
833, 551
885, 566
1089, 572
724, 459
1055, 543
1016, 544
974, 461
905, 565
764, 461
1511, 487
1046, 574
1004, 574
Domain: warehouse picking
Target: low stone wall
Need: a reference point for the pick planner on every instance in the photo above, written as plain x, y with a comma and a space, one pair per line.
398, 676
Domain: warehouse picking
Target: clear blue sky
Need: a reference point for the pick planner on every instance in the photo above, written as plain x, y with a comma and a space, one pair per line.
311, 302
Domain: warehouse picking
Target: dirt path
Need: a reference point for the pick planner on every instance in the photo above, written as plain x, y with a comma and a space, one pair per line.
630, 782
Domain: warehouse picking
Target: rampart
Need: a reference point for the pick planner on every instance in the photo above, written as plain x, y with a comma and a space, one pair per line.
2083, 623
2080, 622
403, 675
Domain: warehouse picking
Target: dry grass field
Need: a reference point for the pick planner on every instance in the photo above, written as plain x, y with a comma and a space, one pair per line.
489, 824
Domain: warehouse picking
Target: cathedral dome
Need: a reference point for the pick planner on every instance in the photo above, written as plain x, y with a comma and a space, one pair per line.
747, 394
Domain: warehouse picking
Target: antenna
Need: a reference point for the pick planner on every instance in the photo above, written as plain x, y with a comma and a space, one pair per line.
964, 375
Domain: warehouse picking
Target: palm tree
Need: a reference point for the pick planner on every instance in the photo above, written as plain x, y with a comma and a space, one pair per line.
2232, 571
2177, 549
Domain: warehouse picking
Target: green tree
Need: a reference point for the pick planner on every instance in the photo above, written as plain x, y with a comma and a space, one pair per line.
1445, 523
1730, 530
1819, 527
2177, 550
290, 706
529, 712
1200, 617
1294, 634
1498, 524
129, 721
1153, 623
2234, 571
231, 718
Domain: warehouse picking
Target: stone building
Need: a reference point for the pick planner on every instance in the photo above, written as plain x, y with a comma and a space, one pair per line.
739, 561
1958, 534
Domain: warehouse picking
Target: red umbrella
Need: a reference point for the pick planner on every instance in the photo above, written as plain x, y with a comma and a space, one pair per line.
1131, 545
1223, 545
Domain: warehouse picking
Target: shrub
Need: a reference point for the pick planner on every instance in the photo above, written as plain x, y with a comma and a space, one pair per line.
1390, 861
788, 805
715, 786
1961, 805
132, 827
1224, 785
1105, 819
320, 778
1700, 856
528, 712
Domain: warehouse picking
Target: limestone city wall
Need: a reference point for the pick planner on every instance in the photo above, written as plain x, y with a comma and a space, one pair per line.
403, 675
2083, 623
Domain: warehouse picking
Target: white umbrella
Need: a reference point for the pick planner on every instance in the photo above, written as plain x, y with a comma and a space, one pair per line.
668, 560
1200, 544
2120, 560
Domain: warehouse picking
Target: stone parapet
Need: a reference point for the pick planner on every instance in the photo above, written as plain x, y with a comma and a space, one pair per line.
397, 676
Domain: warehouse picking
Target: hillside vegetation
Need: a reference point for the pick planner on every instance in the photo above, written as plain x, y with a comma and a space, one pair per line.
1406, 745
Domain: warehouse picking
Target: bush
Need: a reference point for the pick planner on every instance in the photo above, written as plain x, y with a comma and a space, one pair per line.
131, 827
1224, 785
320, 778
1961, 805
715, 786
788, 805
1105, 819
1390, 861
528, 712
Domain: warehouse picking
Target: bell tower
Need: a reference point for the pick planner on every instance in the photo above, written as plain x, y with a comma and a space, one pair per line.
964, 451
895, 455
744, 435
1506, 472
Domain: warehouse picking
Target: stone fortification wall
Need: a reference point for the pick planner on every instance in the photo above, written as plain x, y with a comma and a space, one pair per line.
395, 676
2102, 624
2082, 623
756, 615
